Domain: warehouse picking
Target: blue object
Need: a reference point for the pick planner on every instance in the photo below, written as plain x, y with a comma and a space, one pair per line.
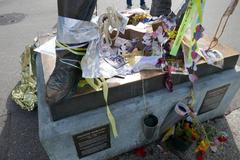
146, 20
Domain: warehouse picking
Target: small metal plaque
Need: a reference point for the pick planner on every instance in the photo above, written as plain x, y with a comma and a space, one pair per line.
213, 99
92, 141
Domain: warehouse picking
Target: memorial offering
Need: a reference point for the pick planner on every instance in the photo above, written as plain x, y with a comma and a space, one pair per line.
117, 57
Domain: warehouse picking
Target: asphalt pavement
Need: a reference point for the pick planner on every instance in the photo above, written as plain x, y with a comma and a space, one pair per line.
19, 129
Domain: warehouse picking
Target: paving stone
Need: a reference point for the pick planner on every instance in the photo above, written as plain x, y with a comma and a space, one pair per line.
24, 143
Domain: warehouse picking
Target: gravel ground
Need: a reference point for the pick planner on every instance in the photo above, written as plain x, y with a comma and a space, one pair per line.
227, 151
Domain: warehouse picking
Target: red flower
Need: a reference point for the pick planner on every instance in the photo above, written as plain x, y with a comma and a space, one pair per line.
140, 152
222, 139
154, 35
200, 157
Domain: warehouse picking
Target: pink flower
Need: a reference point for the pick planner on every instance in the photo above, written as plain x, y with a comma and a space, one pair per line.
194, 55
193, 78
154, 35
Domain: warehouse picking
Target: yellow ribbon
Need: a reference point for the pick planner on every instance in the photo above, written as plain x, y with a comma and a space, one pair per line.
183, 27
95, 86
109, 113
199, 8
102, 85
168, 133
82, 83
77, 51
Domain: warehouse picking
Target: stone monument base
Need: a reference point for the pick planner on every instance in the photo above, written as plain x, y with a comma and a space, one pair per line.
87, 136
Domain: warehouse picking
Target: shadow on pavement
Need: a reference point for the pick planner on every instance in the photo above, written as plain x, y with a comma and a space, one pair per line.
19, 136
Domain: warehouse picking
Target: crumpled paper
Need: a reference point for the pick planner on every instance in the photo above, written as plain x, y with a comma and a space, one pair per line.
92, 64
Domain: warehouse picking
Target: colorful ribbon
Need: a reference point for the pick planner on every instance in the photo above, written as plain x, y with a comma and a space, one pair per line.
101, 84
189, 17
109, 113
183, 27
77, 51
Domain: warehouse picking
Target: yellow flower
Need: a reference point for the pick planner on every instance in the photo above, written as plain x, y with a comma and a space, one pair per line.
203, 146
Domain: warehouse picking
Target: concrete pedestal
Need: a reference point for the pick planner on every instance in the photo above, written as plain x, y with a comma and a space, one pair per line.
60, 138
131, 86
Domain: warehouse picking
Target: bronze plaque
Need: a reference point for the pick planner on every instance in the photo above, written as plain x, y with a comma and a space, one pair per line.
92, 141
213, 99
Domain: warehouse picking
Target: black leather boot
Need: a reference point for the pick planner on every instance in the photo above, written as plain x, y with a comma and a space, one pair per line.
64, 78
66, 74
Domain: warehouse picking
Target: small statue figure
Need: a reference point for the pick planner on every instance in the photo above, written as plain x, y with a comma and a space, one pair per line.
72, 14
